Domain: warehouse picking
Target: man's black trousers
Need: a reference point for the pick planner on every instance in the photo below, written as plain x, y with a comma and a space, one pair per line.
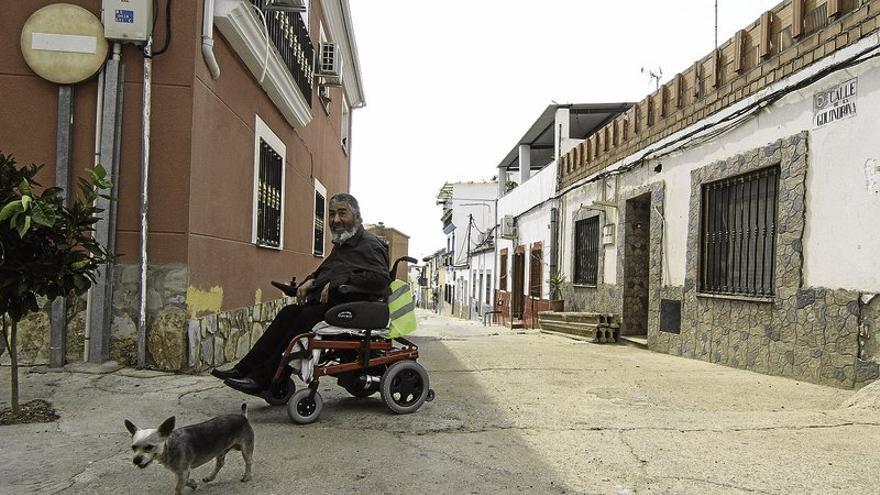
262, 360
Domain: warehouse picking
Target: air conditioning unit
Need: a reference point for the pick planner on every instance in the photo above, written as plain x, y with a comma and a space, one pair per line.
285, 5
508, 227
329, 66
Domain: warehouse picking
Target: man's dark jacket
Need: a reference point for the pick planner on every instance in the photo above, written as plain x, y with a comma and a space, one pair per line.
362, 261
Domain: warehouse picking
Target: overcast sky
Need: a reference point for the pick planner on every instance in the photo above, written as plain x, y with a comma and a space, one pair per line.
452, 86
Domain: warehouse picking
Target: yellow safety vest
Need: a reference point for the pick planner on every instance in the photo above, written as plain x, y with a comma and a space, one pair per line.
402, 309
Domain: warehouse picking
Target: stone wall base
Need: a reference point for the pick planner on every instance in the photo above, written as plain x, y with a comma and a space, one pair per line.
227, 336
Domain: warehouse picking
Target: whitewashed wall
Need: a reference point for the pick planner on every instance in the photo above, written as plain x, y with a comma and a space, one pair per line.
842, 236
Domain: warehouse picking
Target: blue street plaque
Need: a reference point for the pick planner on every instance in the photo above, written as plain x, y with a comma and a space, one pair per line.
125, 16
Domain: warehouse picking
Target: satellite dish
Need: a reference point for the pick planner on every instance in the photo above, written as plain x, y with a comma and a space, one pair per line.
64, 43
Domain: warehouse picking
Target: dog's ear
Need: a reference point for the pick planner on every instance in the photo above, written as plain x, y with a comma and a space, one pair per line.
130, 427
166, 427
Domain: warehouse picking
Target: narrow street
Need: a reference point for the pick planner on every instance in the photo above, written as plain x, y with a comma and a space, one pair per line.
514, 413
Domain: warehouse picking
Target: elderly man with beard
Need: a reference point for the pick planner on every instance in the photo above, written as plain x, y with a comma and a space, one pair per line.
358, 258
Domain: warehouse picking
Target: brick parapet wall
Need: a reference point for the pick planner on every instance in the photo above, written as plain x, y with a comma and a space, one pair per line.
784, 40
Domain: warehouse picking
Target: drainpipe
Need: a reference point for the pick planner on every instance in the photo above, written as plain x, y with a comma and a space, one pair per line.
554, 242
99, 123
208, 39
145, 174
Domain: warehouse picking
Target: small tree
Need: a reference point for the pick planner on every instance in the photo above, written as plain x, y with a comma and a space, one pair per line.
46, 248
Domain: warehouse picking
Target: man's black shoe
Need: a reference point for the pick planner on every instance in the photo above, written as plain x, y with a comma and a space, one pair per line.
247, 385
226, 375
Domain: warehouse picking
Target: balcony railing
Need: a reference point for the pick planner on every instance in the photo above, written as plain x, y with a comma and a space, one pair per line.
290, 36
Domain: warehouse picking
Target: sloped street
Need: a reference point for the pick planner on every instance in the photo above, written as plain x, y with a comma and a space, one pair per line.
515, 413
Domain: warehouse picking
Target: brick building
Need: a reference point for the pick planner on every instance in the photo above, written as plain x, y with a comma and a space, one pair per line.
246, 147
398, 245
735, 210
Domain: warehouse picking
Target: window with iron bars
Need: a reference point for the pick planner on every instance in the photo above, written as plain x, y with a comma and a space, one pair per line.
269, 197
586, 251
535, 264
738, 231
320, 209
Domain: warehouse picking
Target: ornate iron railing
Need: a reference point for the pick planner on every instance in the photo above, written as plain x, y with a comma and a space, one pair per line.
291, 38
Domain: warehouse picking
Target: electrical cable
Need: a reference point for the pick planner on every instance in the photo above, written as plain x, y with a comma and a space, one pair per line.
732, 121
167, 42
266, 34
695, 137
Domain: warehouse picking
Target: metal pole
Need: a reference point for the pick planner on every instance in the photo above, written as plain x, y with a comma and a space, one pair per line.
145, 175
716, 24
64, 140
101, 302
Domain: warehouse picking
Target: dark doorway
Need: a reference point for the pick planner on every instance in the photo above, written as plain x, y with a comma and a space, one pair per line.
519, 270
636, 265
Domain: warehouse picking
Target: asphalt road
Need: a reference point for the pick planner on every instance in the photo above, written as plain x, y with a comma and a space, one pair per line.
514, 413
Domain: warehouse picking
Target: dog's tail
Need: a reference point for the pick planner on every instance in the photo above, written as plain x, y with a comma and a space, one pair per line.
244, 410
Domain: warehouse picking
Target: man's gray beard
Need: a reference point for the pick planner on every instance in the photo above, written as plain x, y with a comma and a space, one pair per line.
344, 235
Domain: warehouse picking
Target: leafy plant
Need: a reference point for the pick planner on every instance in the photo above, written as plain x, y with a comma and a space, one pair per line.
46, 248
510, 185
557, 284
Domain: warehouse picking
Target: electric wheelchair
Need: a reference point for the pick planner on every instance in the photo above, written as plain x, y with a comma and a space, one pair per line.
353, 344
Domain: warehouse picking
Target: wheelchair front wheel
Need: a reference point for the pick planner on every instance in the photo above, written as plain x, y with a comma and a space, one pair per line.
405, 387
303, 410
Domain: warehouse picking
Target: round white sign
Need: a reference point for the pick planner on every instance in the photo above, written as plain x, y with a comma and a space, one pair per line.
64, 43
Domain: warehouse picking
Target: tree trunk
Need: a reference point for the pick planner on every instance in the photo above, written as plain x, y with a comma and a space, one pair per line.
13, 354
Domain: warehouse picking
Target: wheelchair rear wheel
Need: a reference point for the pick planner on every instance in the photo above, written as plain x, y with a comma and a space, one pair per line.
404, 387
303, 410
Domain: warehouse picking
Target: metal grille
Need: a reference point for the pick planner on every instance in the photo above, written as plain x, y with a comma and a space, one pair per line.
738, 234
586, 250
502, 277
535, 262
290, 36
269, 197
319, 224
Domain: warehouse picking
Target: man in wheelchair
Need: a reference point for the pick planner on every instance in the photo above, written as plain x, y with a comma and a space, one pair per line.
358, 259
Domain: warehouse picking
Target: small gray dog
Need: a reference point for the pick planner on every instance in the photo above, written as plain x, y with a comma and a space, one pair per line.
187, 448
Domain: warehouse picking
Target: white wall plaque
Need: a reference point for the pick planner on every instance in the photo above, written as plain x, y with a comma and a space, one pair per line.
70, 43
835, 104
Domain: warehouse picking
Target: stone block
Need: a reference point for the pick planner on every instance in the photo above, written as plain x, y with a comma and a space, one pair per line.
207, 353
123, 326
154, 301
166, 339
33, 339
219, 344
194, 342
123, 350
176, 279
76, 332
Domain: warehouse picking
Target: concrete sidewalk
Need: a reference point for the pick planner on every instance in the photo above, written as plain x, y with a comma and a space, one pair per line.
515, 413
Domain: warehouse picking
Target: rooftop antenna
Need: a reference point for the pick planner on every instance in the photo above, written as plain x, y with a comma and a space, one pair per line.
654, 76
716, 24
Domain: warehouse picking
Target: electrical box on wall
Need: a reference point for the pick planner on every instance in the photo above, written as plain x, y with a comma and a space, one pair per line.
127, 20
608, 231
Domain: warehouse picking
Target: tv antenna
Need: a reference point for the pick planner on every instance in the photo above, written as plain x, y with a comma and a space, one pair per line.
654, 76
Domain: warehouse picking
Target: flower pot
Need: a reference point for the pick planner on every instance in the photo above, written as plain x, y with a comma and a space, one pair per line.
557, 305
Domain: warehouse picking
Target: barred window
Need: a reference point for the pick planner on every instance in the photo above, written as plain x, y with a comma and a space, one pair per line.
738, 221
502, 276
586, 251
320, 214
536, 261
269, 196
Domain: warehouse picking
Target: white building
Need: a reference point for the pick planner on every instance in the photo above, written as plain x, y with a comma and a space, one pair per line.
468, 221
733, 216
527, 211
